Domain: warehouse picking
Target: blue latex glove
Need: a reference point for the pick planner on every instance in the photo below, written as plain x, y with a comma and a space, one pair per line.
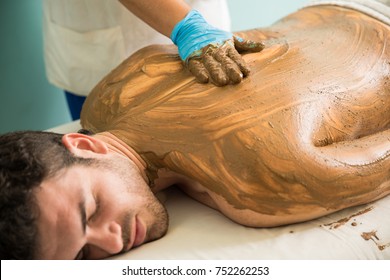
211, 53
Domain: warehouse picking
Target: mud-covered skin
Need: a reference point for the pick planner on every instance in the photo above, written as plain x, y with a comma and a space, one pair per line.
306, 134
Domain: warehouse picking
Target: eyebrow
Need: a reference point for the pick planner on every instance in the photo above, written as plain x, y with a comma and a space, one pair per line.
83, 215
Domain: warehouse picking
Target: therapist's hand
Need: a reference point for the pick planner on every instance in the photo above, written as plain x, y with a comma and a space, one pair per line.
212, 54
222, 63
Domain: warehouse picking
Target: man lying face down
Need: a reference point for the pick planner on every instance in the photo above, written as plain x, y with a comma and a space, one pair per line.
304, 135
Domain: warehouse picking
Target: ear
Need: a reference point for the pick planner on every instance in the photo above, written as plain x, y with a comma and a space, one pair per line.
84, 145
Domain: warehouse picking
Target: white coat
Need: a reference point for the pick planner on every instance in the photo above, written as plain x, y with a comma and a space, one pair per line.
85, 39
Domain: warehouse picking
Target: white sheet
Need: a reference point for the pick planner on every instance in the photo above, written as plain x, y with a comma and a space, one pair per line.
199, 232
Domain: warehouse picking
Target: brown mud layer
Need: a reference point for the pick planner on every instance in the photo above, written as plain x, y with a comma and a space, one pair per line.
343, 221
305, 134
372, 235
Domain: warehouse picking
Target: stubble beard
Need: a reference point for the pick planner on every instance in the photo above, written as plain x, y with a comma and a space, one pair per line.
128, 172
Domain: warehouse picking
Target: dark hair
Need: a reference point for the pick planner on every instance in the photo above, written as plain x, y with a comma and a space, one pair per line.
27, 158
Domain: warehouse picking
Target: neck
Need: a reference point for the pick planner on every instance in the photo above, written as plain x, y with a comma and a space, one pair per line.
117, 146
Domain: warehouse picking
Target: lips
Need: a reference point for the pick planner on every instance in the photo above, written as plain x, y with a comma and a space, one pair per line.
138, 234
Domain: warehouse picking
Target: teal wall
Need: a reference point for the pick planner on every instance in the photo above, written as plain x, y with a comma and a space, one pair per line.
247, 14
28, 101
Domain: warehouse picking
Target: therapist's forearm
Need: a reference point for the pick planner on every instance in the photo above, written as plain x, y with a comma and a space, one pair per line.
161, 15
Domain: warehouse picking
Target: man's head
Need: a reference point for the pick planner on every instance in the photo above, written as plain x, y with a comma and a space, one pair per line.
69, 196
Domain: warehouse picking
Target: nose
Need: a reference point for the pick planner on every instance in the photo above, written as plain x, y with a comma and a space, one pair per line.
106, 237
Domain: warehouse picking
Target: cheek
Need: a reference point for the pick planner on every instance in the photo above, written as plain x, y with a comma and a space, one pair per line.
120, 201
122, 191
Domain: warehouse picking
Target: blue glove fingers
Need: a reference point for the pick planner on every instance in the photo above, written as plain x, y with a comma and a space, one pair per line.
229, 66
243, 45
197, 69
215, 70
239, 61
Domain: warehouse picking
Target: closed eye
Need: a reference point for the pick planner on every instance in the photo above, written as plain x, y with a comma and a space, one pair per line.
97, 210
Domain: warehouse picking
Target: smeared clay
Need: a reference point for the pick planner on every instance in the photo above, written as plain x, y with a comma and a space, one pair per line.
372, 235
343, 221
305, 134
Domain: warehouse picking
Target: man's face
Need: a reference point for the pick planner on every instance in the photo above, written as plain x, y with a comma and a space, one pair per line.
96, 211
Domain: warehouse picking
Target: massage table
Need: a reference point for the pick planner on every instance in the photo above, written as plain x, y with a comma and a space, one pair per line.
197, 232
